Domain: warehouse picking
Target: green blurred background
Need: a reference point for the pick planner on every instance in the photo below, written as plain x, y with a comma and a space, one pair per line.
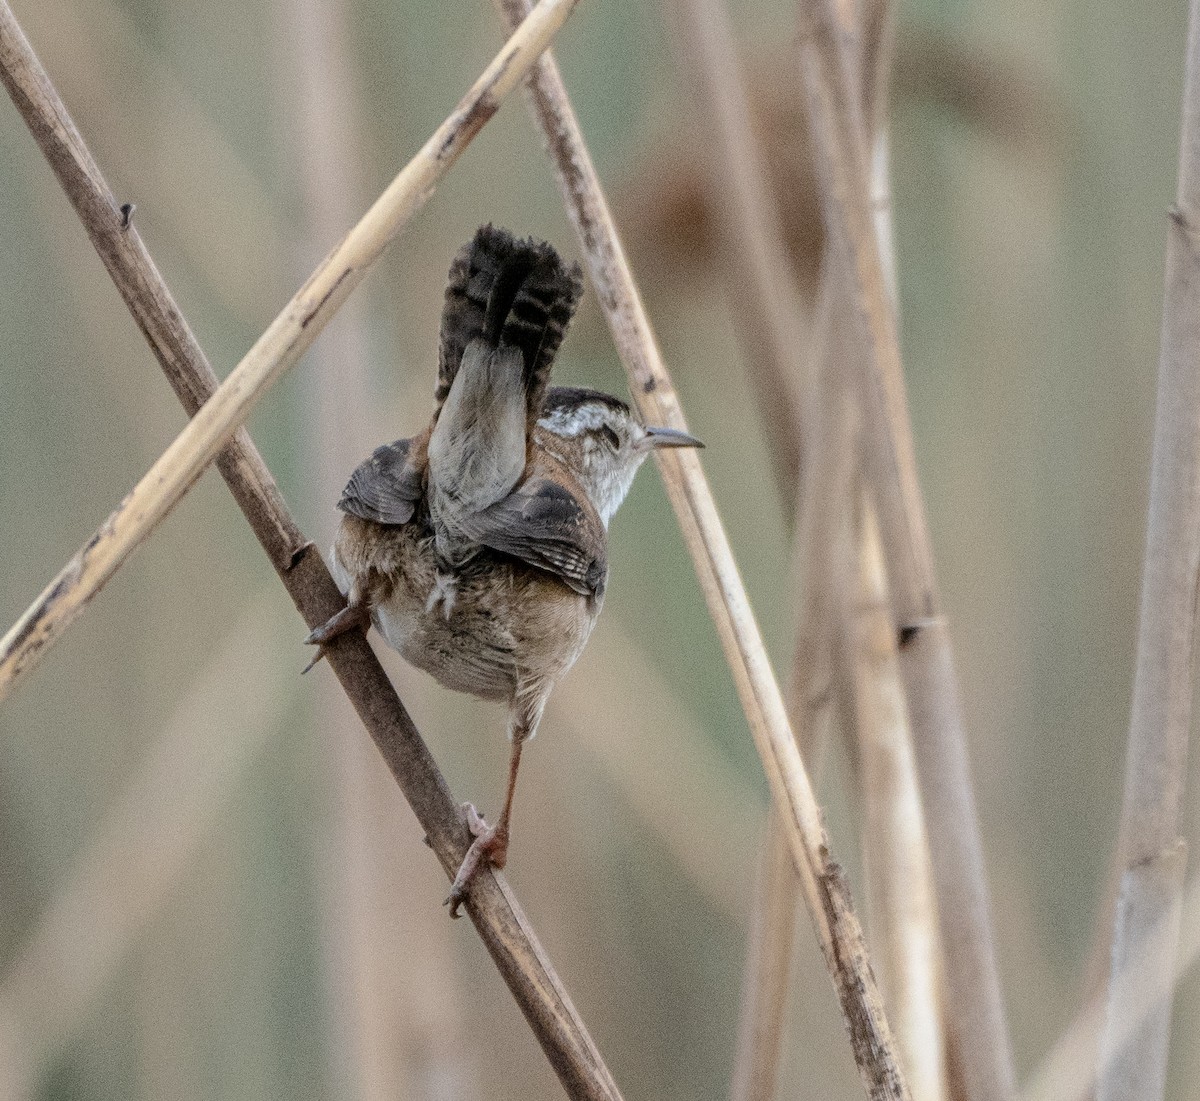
209, 887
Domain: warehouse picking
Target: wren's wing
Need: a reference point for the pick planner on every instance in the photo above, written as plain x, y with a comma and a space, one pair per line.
507, 292
548, 527
386, 487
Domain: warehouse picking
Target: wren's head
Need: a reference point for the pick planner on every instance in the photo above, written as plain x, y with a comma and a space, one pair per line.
597, 437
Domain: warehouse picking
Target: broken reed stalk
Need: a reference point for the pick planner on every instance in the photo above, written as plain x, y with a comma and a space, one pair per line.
494, 910
823, 883
975, 1011
278, 349
1151, 854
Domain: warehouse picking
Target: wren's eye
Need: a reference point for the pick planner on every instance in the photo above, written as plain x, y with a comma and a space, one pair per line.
610, 437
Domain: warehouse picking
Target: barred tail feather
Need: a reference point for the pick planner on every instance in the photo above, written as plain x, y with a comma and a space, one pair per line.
507, 292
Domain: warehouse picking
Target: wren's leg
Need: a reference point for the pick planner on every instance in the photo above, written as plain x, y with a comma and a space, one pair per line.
491, 842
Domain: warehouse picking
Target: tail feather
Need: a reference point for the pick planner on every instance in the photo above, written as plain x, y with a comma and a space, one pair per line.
507, 292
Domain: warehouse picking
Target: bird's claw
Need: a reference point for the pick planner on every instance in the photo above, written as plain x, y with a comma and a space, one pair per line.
350, 618
489, 847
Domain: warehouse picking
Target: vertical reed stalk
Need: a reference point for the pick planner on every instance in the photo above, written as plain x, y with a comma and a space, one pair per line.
899, 879
975, 1011
1151, 854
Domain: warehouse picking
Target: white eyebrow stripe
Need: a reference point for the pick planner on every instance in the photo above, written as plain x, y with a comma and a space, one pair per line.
575, 419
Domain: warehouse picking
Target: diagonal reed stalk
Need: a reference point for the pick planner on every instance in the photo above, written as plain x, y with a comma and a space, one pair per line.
823, 883
975, 1013
1151, 855
278, 349
499, 920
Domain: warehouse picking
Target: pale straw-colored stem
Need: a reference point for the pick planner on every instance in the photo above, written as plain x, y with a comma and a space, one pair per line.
823, 883
817, 690
278, 349
899, 879
975, 1010
1151, 855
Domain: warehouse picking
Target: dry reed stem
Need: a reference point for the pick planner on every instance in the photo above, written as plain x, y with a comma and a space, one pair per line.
1150, 856
823, 883
899, 880
768, 311
975, 1010
278, 349
145, 844
494, 911
1070, 1072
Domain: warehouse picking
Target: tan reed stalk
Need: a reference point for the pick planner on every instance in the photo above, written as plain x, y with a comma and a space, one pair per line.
767, 971
975, 1010
494, 911
768, 314
817, 688
823, 883
1151, 854
278, 349
769, 318
899, 879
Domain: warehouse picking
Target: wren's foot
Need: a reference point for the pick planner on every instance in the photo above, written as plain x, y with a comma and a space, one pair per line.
490, 845
353, 617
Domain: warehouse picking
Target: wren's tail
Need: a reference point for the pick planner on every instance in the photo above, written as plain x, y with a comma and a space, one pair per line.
510, 293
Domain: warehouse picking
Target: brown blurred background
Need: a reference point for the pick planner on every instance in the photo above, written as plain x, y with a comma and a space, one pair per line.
209, 887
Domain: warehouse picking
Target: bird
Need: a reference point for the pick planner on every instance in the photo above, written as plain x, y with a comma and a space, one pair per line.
479, 547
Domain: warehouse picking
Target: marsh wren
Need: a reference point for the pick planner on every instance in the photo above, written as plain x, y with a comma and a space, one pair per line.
478, 548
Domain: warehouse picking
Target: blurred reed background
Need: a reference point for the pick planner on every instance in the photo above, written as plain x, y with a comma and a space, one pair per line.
209, 886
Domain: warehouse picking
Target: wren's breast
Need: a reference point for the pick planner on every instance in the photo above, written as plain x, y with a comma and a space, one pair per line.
493, 623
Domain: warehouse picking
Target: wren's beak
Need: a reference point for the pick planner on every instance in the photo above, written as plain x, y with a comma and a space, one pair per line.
669, 437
